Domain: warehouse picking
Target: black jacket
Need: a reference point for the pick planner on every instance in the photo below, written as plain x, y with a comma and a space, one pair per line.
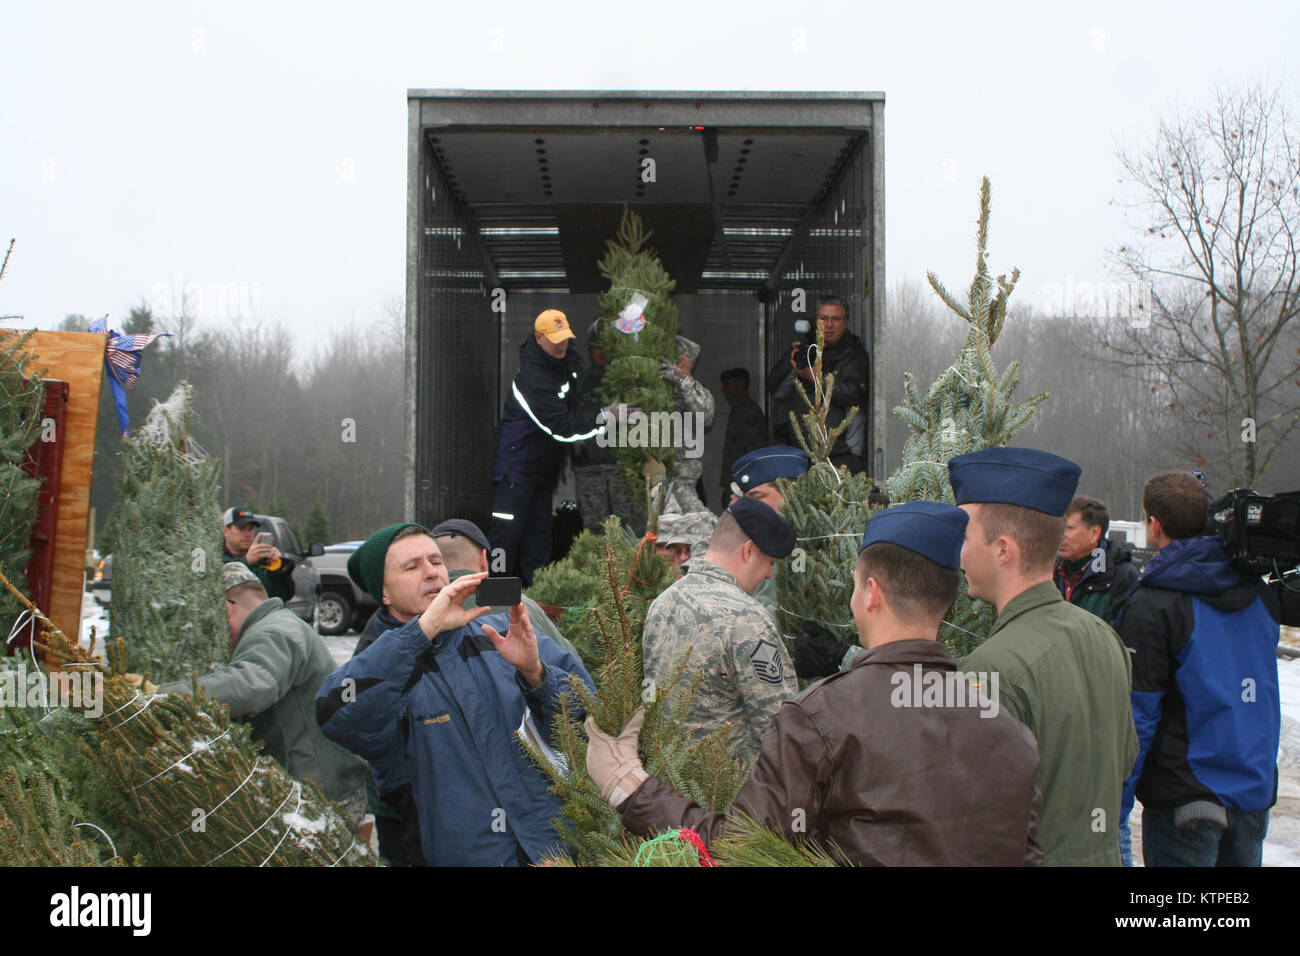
848, 359
542, 419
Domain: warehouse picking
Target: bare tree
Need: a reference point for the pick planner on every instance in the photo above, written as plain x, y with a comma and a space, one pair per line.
1217, 262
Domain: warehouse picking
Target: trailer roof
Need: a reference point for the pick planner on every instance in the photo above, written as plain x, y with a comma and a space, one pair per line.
543, 174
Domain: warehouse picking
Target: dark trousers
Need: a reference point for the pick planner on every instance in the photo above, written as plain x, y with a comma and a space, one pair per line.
1241, 843
521, 526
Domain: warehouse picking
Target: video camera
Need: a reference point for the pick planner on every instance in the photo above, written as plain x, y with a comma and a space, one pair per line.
1261, 534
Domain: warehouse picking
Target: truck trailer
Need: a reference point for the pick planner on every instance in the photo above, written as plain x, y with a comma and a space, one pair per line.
758, 203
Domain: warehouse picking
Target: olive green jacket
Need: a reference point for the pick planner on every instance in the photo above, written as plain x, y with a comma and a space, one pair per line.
276, 669
1065, 674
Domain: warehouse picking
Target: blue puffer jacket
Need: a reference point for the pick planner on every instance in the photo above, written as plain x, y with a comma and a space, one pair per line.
1205, 696
439, 718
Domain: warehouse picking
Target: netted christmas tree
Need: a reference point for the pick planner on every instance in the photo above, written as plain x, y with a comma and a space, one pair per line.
639, 331
183, 785
167, 595
40, 827
969, 407
20, 426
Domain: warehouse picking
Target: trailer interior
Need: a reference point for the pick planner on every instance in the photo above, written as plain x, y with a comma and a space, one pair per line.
751, 198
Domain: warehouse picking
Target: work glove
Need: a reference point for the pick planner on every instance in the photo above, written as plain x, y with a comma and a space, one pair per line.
137, 681
817, 652
670, 372
613, 762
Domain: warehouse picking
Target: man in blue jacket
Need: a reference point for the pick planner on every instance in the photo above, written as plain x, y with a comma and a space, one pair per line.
435, 702
1205, 690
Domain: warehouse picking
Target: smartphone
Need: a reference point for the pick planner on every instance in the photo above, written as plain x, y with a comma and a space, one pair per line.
494, 592
265, 537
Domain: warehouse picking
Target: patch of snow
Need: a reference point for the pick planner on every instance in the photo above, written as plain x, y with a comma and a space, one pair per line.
298, 822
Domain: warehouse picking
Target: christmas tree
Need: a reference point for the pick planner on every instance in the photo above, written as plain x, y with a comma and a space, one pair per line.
167, 592
167, 777
627, 581
569, 589
969, 407
20, 425
828, 508
39, 827
639, 331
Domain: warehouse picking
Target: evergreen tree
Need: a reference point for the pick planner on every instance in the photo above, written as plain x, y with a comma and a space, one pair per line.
317, 528
969, 407
701, 770
640, 291
167, 596
828, 509
38, 827
183, 785
20, 426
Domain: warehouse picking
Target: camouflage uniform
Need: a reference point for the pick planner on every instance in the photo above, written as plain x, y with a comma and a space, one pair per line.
599, 485
747, 670
694, 529
691, 396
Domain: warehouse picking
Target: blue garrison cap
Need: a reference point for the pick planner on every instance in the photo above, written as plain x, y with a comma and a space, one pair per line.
767, 464
764, 526
932, 529
1032, 479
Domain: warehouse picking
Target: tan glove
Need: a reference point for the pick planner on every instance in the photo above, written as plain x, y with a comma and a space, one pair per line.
613, 762
138, 681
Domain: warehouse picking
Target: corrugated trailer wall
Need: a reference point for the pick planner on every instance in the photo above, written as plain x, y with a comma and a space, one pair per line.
831, 258
457, 354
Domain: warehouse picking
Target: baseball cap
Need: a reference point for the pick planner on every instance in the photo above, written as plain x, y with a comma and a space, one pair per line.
240, 517
459, 526
553, 324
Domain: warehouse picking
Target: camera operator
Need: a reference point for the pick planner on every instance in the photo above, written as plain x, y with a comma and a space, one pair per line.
1203, 640
247, 542
846, 357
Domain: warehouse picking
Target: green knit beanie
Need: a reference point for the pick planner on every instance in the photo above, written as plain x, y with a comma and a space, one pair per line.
366, 566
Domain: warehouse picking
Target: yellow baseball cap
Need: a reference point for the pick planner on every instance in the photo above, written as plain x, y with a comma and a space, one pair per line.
553, 324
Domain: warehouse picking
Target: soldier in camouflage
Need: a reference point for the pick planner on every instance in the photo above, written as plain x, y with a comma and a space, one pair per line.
683, 537
710, 615
599, 484
691, 396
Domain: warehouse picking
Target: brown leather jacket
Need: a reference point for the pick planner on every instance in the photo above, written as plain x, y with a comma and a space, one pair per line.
883, 775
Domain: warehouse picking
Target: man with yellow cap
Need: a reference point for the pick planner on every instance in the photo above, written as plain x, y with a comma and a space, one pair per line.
542, 421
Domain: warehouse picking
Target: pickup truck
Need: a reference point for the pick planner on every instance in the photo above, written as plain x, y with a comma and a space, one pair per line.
343, 605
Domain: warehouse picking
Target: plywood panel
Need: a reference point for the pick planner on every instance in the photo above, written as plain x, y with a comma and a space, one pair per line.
76, 358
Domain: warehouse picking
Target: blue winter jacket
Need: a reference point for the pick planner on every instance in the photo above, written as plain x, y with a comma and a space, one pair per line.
1205, 688
439, 717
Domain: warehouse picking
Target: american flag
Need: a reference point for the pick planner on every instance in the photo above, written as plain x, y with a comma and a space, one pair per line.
123, 351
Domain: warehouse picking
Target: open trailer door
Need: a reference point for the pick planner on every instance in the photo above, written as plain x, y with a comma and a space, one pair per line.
757, 201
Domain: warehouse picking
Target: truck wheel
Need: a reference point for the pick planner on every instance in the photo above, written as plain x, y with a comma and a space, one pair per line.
335, 614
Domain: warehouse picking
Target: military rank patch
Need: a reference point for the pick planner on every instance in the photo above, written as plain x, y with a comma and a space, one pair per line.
766, 658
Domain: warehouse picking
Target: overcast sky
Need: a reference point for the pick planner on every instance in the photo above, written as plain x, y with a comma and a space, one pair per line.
142, 144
